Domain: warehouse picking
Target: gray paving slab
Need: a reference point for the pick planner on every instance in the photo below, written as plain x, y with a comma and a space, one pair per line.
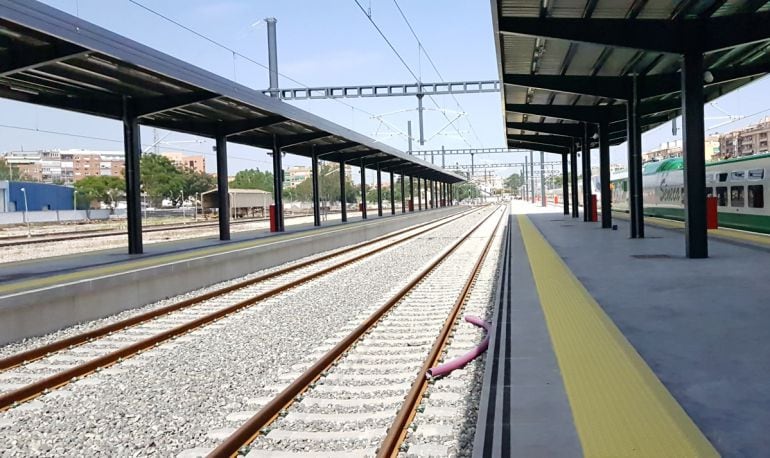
532, 416
702, 325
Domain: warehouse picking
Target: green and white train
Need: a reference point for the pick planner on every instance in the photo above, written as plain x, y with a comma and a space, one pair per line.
740, 185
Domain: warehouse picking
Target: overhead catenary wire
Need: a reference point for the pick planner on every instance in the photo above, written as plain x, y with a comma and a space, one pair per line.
112, 140
368, 15
421, 48
234, 52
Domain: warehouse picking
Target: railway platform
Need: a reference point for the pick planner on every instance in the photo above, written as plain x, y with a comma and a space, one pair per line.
39, 296
607, 346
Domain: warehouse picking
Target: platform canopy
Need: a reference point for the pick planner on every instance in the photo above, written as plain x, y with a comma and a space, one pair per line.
48, 57
566, 61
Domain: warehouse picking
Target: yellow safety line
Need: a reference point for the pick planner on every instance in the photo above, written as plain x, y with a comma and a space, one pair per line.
619, 406
721, 233
158, 260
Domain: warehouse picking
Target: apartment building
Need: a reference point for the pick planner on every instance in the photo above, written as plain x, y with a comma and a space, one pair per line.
195, 163
674, 149
747, 141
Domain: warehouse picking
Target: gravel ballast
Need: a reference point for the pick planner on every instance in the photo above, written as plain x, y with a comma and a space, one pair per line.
189, 392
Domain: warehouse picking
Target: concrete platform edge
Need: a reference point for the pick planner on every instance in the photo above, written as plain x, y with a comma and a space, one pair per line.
37, 312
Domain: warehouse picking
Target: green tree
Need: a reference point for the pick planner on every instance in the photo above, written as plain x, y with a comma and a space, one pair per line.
161, 179
328, 186
513, 182
8, 171
197, 182
466, 191
95, 189
253, 179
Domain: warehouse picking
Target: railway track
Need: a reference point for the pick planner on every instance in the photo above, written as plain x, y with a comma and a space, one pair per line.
36, 371
360, 396
17, 240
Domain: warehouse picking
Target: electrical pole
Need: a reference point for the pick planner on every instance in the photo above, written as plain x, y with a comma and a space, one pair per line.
409, 135
272, 50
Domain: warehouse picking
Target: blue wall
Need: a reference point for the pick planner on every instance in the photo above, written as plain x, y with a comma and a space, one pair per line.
40, 196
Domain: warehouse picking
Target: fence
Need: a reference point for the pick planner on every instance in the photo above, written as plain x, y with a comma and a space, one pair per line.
53, 216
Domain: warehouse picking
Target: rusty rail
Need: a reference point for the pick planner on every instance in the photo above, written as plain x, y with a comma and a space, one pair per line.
45, 350
249, 430
397, 432
36, 388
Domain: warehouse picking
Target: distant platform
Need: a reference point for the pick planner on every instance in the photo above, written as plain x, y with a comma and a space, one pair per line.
36, 273
44, 295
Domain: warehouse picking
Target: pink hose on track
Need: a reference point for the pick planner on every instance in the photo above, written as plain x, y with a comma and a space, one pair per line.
446, 368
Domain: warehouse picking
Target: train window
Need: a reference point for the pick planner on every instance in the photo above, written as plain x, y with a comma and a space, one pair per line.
709, 191
722, 195
757, 174
736, 196
737, 175
722, 176
756, 196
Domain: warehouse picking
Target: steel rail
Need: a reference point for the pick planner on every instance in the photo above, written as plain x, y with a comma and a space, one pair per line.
34, 389
87, 336
391, 445
270, 411
19, 240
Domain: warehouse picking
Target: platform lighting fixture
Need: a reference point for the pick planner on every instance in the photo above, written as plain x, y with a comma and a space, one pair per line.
26, 218
75, 199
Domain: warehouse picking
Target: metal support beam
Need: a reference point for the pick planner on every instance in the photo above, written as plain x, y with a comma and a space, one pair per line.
379, 191
403, 194
223, 189
432, 194
316, 194
604, 175
392, 195
696, 237
635, 165
333, 152
363, 190
586, 176
389, 90
526, 178
154, 105
547, 140
132, 144
565, 182
661, 35
411, 193
542, 179
343, 199
278, 183
573, 130
578, 113
532, 176
473, 166
574, 180
419, 118
272, 56
35, 57
419, 194
287, 141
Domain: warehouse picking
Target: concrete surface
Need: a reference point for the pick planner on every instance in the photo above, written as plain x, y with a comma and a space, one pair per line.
701, 325
38, 311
